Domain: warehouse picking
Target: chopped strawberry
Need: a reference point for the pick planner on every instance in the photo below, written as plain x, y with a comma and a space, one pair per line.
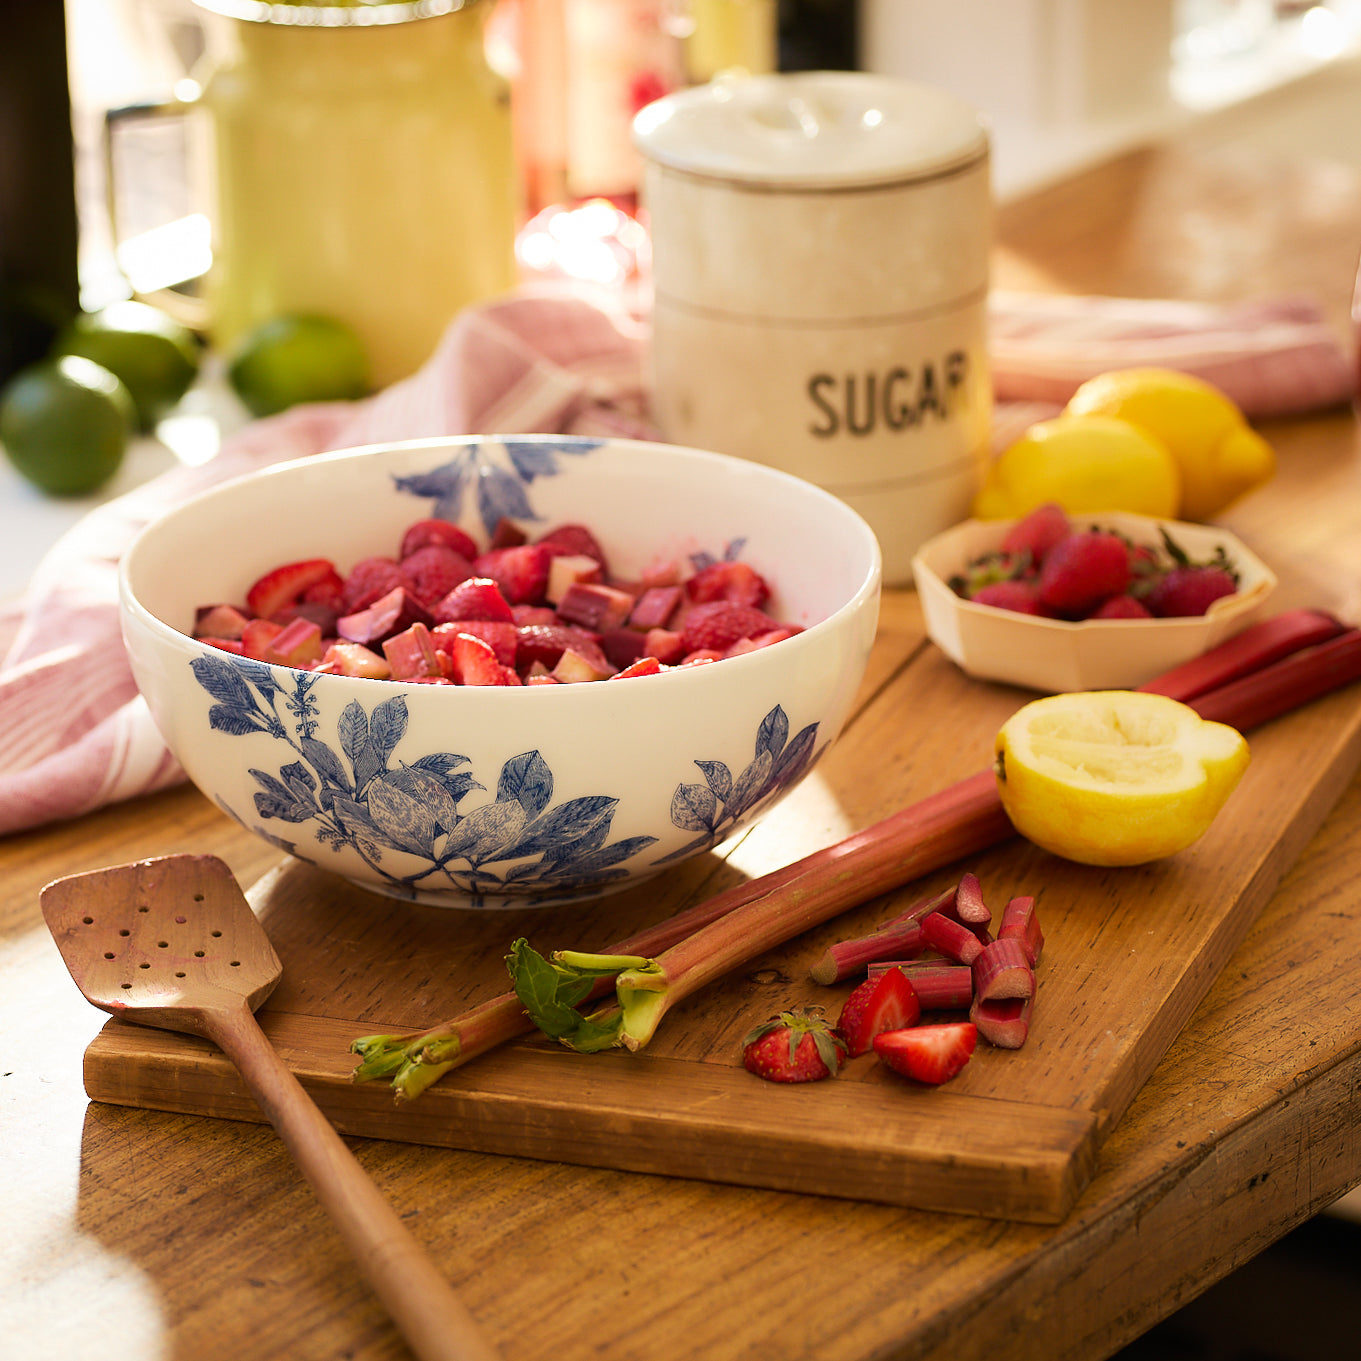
435, 570
425, 532
233, 645
507, 534
875, 1006
793, 1047
370, 579
1036, 533
526, 615
1121, 607
499, 634
644, 666
666, 645
474, 663
928, 1053
718, 624
328, 594
257, 636
475, 598
1021, 597
1189, 591
573, 540
736, 582
521, 571
1083, 570
282, 586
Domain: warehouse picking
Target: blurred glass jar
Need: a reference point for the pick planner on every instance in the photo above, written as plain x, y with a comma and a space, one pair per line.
360, 165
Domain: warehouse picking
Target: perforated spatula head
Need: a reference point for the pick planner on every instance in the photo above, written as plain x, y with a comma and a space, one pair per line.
158, 940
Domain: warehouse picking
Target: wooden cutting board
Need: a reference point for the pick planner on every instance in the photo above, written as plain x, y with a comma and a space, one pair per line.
1128, 956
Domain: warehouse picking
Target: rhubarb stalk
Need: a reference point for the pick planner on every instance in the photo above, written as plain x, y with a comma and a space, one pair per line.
1254, 677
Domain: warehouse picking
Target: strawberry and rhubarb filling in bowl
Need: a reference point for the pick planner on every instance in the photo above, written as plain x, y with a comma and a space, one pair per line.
1059, 603
501, 671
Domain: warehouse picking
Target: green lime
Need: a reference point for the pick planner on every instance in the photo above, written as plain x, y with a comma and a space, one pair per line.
65, 423
294, 359
155, 357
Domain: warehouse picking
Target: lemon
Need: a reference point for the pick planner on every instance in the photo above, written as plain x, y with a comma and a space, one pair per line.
1115, 777
156, 358
65, 424
1087, 464
1219, 455
294, 359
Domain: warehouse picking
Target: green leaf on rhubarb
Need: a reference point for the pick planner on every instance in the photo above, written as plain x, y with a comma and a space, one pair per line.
550, 994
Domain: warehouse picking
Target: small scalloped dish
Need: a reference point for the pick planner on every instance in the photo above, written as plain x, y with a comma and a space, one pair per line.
1056, 656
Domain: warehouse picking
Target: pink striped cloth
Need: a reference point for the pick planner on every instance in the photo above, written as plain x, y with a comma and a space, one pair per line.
75, 736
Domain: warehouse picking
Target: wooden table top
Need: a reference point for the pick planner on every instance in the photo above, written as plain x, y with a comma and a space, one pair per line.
181, 1236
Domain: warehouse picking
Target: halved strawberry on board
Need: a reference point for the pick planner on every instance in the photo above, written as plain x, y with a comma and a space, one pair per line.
795, 1046
928, 1053
875, 1006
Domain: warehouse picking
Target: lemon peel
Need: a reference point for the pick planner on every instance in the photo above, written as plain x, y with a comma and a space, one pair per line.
1219, 456
1115, 777
1087, 464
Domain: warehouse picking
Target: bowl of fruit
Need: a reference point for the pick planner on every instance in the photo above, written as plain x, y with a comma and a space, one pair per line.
1058, 603
501, 671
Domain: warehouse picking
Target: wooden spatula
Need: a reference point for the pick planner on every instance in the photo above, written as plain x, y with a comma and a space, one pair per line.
173, 943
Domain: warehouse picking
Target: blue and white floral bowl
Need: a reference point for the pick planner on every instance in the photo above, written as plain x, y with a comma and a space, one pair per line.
488, 797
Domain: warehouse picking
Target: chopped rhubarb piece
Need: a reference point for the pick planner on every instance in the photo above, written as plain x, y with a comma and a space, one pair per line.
284, 584
426, 532
1003, 1021
622, 647
737, 582
257, 636
969, 904
473, 598
520, 571
595, 606
572, 667
530, 616
875, 1006
899, 938
644, 666
389, 614
666, 645
474, 663
370, 579
567, 570
1002, 969
322, 615
654, 607
412, 654
434, 571
662, 572
956, 940
1021, 922
939, 985
354, 659
499, 635
297, 645
219, 621
234, 645
928, 1053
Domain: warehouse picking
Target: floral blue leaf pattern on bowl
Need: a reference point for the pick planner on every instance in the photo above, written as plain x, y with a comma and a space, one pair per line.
498, 472
714, 808
356, 793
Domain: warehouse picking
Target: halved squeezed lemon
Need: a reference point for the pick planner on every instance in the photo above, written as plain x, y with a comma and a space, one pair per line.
1115, 777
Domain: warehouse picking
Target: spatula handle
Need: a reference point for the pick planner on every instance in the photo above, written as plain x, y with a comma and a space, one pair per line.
431, 1317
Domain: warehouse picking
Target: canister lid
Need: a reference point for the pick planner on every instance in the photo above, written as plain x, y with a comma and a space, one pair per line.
811, 129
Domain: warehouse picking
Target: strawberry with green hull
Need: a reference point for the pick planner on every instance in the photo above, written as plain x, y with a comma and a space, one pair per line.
795, 1046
